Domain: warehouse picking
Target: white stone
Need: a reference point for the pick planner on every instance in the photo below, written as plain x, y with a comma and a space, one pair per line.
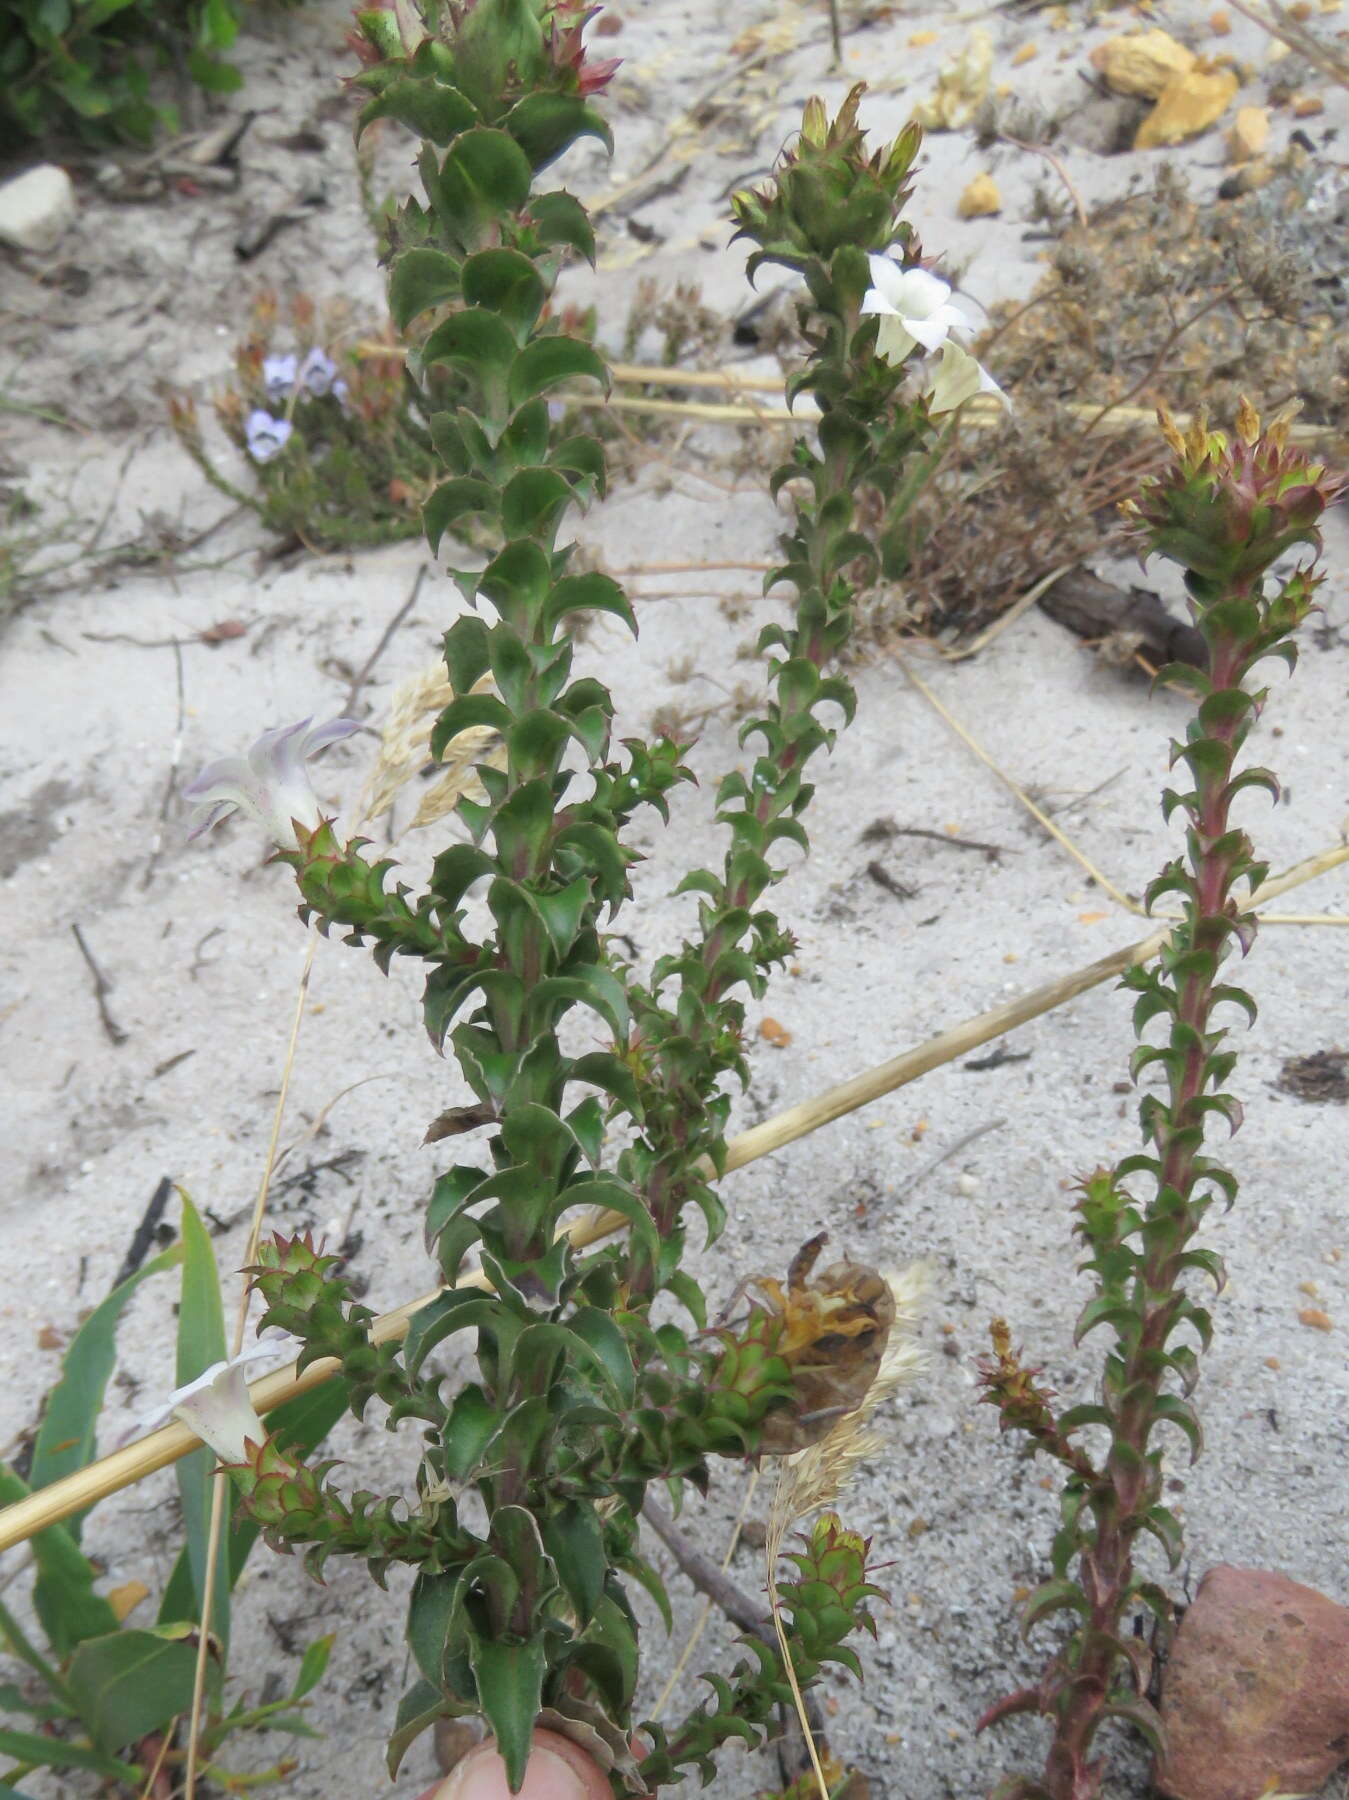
36, 208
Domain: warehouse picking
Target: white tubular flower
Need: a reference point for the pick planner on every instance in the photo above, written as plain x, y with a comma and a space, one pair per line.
216, 1405
271, 783
914, 306
958, 378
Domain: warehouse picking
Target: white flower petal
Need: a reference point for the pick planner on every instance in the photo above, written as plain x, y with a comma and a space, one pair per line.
887, 283
958, 378
214, 814
930, 333
918, 293
893, 340
217, 1407
271, 784
331, 733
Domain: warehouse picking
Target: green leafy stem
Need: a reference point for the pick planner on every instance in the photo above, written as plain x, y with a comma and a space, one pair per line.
1225, 511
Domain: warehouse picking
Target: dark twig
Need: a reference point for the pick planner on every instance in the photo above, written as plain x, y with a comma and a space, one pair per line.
996, 1059
144, 1234
712, 1580
883, 878
362, 675
171, 780
835, 33
707, 1577
931, 1168
199, 961
887, 830
102, 988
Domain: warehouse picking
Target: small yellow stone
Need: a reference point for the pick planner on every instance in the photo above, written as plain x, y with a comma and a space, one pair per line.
1027, 53
1248, 135
1142, 62
1220, 23
980, 199
962, 86
1306, 106
1187, 106
918, 39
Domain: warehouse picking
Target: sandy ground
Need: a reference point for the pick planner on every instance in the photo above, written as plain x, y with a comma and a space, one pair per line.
203, 952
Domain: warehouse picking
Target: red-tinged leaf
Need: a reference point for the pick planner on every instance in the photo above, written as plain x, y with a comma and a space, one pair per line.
1025, 1700
1051, 1597
1142, 1717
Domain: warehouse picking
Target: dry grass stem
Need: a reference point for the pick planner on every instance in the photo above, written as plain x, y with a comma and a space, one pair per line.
1022, 604
1129, 904
1280, 23
700, 1624
1042, 818
220, 1482
982, 413
817, 1475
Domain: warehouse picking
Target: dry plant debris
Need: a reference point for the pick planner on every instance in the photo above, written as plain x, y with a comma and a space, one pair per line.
1157, 295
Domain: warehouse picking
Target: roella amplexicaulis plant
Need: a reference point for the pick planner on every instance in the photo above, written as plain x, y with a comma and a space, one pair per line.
1225, 509
583, 1394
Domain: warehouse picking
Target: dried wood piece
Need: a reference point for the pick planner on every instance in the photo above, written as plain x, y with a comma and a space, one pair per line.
1122, 621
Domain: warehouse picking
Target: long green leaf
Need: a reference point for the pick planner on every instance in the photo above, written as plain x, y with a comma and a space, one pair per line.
201, 1342
131, 1683
67, 1437
19, 1644
40, 1752
63, 1594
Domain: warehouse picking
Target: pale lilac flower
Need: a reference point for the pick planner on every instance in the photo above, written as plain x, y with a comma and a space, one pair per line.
278, 376
217, 1405
317, 374
270, 783
959, 377
914, 306
264, 435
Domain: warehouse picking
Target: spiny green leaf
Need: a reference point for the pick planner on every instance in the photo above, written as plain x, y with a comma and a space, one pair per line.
418, 1711
507, 283
510, 1691
559, 218
427, 108
422, 279
550, 360
454, 500
546, 124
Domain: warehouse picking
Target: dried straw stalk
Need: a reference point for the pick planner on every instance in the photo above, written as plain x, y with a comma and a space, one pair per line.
982, 413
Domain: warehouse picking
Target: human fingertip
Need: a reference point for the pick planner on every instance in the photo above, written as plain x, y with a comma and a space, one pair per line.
482, 1776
